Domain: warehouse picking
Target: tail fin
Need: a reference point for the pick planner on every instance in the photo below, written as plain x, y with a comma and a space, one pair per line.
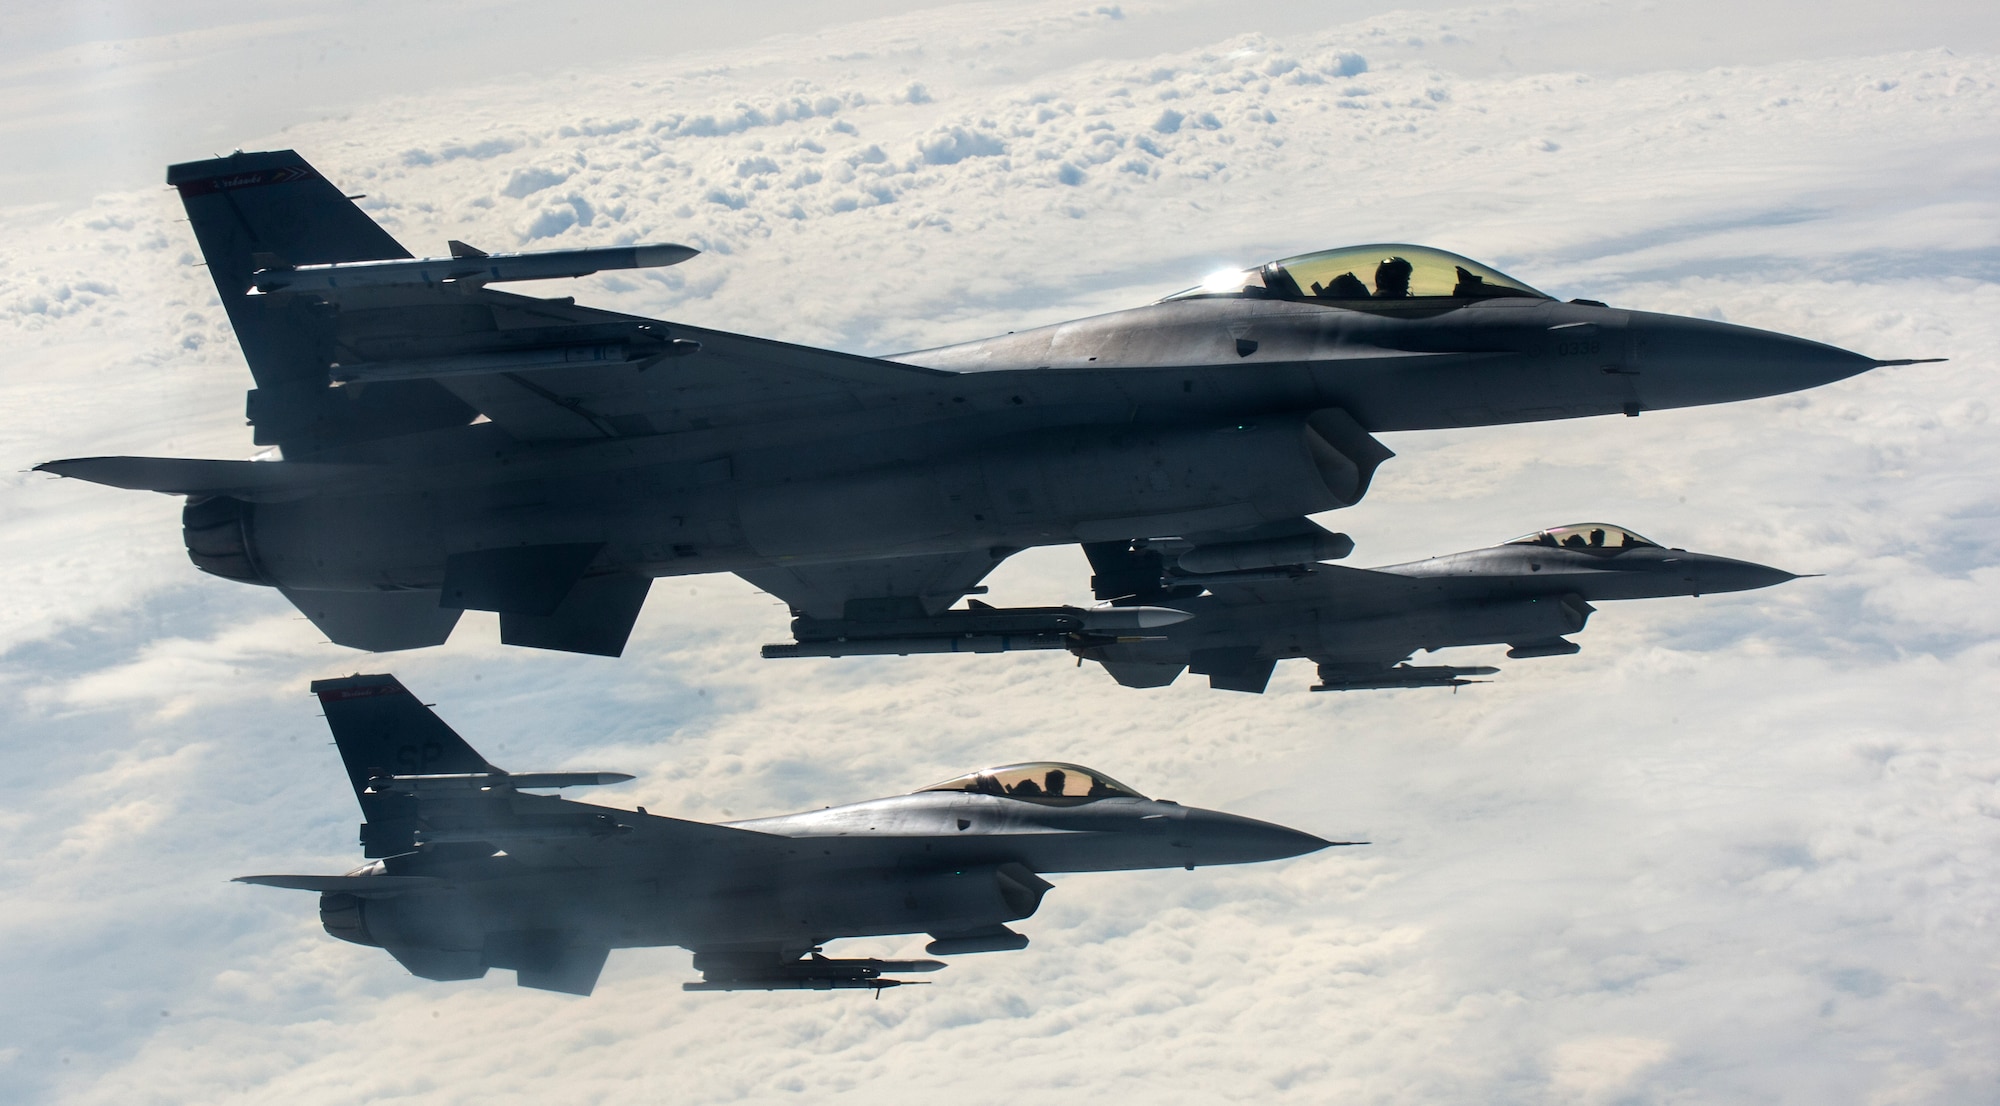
273, 204
383, 730
254, 210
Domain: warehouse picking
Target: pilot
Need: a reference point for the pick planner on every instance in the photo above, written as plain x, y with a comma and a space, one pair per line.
1346, 286
1392, 279
1597, 539
1054, 782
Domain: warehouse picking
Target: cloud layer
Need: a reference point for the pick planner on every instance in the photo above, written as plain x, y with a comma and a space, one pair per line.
1736, 850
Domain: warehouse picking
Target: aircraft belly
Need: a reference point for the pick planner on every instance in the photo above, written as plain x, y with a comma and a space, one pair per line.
1446, 625
350, 542
808, 906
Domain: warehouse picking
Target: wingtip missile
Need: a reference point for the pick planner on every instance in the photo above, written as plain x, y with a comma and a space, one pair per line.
470, 268
483, 781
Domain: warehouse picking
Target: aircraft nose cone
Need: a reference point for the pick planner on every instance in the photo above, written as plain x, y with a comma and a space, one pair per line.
1685, 362
1718, 574
1217, 838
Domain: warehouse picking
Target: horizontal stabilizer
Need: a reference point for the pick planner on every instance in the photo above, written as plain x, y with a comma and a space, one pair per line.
596, 618
351, 885
1143, 673
252, 480
378, 621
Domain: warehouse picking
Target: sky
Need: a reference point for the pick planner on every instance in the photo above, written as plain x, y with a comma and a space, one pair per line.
1737, 850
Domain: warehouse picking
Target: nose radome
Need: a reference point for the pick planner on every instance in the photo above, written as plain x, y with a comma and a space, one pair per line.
1685, 362
1218, 838
1719, 574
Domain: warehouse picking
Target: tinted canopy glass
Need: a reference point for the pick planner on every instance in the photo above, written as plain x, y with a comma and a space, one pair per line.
1045, 779
1385, 271
1591, 537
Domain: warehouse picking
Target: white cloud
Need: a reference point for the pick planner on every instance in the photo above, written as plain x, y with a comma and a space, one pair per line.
1738, 849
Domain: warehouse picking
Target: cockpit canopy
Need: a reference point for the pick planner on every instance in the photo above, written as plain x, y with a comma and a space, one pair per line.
1589, 537
1386, 271
1044, 779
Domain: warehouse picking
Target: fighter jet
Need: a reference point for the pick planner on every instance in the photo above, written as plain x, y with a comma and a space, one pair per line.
1358, 624
471, 870
439, 446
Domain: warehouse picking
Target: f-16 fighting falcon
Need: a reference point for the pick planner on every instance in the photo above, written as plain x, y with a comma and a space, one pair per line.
442, 446
472, 871
1358, 624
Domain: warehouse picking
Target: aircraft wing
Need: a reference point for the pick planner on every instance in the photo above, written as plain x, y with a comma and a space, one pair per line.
547, 369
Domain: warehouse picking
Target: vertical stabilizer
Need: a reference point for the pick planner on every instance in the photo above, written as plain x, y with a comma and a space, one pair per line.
383, 730
271, 209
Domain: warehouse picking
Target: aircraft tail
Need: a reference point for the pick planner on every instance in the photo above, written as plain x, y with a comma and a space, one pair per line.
246, 208
271, 209
383, 730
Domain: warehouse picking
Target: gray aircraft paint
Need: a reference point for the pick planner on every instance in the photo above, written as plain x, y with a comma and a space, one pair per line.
1359, 625
612, 449
472, 873
1231, 612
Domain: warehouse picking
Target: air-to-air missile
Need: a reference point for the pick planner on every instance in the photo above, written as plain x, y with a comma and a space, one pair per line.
467, 267
1360, 625
978, 628
469, 871
444, 446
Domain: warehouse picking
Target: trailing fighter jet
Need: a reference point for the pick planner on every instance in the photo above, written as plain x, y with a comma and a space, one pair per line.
443, 446
1202, 612
1359, 624
472, 871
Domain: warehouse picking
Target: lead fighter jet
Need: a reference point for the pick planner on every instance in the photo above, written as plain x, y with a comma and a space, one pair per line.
443, 446
474, 872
